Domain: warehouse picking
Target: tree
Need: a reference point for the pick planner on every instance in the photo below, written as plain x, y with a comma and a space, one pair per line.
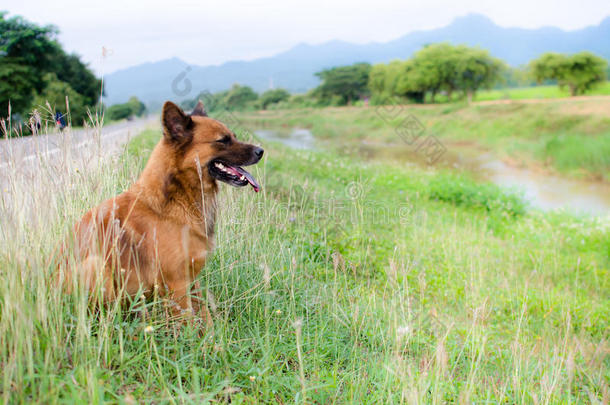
579, 72
436, 66
273, 97
27, 54
378, 80
476, 69
239, 97
60, 96
345, 83
119, 112
236, 98
412, 82
583, 71
16, 87
384, 79
132, 108
24, 56
136, 106
70, 69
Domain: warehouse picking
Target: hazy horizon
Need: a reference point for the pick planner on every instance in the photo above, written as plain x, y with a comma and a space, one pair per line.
203, 35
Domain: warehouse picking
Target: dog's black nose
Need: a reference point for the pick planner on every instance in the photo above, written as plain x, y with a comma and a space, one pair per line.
259, 152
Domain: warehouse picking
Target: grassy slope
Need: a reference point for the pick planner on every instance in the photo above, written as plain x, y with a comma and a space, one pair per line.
339, 282
572, 137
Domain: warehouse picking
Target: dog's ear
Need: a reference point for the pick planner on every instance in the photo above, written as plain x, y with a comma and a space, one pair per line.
199, 110
177, 125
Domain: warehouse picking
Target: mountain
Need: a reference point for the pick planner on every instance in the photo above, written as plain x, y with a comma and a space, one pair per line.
295, 68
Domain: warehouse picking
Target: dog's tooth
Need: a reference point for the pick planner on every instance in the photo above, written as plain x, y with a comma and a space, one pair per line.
242, 178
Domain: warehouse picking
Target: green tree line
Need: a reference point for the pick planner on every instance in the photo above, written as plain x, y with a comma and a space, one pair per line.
456, 72
239, 97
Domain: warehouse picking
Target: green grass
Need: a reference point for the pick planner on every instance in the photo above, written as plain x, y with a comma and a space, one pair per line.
523, 93
566, 136
468, 193
570, 154
342, 281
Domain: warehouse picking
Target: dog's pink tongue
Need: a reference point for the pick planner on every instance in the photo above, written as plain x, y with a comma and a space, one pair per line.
250, 179
238, 171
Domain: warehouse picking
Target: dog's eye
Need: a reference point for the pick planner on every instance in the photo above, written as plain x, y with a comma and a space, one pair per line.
225, 139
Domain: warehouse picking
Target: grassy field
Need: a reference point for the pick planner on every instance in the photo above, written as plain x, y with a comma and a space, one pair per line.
535, 92
341, 282
565, 136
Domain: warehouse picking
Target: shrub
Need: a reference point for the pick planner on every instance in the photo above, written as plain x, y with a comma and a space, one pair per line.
119, 111
132, 108
462, 191
273, 97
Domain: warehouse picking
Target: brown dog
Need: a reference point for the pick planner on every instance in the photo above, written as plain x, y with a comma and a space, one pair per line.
158, 233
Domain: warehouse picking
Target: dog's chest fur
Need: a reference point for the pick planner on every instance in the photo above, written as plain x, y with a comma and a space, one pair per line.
188, 205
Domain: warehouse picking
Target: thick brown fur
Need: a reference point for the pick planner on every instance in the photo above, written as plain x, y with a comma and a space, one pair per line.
158, 234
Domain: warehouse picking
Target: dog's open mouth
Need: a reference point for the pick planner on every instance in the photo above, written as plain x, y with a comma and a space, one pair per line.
233, 175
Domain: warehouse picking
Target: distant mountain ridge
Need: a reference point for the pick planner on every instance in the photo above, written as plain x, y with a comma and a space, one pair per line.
294, 69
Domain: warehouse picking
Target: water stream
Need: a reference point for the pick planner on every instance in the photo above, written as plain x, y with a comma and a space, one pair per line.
542, 190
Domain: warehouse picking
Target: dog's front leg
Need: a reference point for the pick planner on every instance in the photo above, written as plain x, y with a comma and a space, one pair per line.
178, 293
188, 302
200, 305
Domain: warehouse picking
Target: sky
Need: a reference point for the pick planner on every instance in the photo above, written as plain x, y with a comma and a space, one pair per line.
213, 32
